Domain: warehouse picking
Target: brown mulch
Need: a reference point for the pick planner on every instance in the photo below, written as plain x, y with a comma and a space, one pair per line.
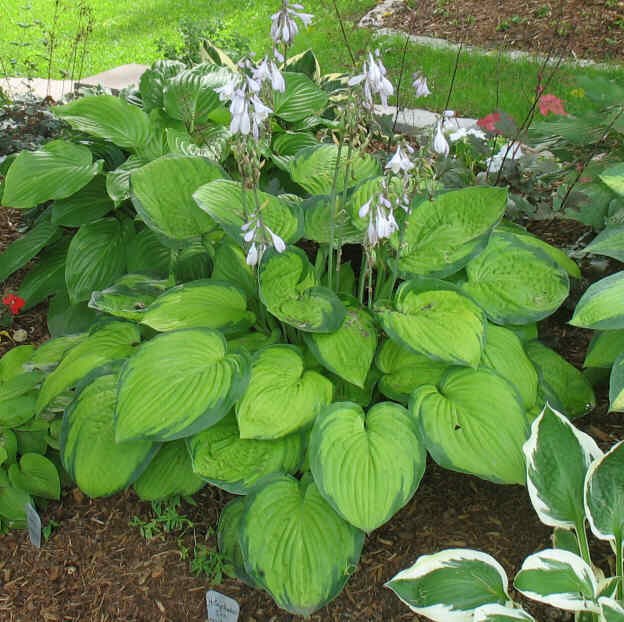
588, 29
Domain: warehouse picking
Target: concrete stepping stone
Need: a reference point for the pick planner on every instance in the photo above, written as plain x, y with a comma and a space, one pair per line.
115, 79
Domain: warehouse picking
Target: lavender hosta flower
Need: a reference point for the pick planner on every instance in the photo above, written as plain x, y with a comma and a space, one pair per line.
283, 24
400, 162
375, 82
381, 221
440, 144
267, 71
420, 84
256, 233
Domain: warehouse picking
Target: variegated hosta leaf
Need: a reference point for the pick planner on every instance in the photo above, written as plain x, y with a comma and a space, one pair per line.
349, 456
317, 213
204, 303
473, 410
37, 475
223, 459
214, 142
154, 79
230, 265
301, 98
295, 545
611, 610
430, 317
99, 465
169, 473
616, 385
288, 288
557, 457
281, 396
600, 307
505, 355
560, 579
228, 538
500, 613
115, 340
403, 371
604, 495
226, 202
609, 242
604, 348
129, 297
515, 283
162, 194
349, 351
450, 585
314, 168
178, 384
443, 234
56, 171
108, 117
561, 385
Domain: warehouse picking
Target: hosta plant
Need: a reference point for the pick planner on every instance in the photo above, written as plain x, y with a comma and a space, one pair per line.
571, 483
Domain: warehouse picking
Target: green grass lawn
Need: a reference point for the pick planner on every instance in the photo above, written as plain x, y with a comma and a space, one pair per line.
128, 32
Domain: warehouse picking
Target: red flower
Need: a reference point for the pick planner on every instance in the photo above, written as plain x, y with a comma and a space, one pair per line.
551, 103
15, 303
489, 123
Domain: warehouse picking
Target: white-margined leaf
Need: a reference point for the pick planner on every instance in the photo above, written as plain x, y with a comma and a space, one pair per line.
500, 613
611, 610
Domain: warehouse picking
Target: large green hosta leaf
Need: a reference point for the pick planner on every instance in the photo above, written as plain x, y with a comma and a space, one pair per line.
225, 201
474, 423
317, 212
228, 539
87, 205
99, 465
604, 348
162, 194
609, 242
118, 181
204, 303
37, 476
56, 171
616, 385
214, 145
314, 169
49, 354
349, 457
13, 361
349, 351
178, 384
169, 473
147, 255
443, 234
601, 306
109, 117
222, 458
230, 265
295, 545
96, 257
558, 456
281, 396
115, 340
505, 355
301, 98
13, 505
561, 385
288, 288
430, 317
515, 283
153, 81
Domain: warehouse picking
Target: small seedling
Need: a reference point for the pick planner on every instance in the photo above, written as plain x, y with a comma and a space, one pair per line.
46, 532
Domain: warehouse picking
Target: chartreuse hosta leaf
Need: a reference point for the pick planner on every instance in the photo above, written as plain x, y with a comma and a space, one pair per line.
612, 611
281, 396
223, 459
349, 454
560, 384
99, 465
500, 613
430, 317
178, 384
443, 234
317, 213
295, 545
13, 505
616, 385
609, 242
614, 178
505, 355
128, 297
230, 265
169, 473
115, 340
601, 307
19, 385
604, 348
96, 257
17, 411
228, 540
37, 476
12, 363
473, 410
404, 370
60, 168
314, 168
203, 303
226, 203
288, 288
162, 194
557, 457
560, 579
450, 585
349, 351
514, 282
300, 99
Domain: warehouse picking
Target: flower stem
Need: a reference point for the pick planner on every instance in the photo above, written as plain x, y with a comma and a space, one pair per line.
332, 218
619, 566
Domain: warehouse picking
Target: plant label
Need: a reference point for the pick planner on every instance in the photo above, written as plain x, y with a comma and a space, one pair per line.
33, 523
221, 608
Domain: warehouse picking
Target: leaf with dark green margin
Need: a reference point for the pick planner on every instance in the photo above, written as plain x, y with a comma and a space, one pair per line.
228, 539
609, 242
304, 534
604, 348
178, 384
56, 171
601, 307
224, 459
37, 476
300, 99
616, 385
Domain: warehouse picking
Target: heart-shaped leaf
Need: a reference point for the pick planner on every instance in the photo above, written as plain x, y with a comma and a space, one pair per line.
37, 476
600, 307
88, 205
301, 98
228, 540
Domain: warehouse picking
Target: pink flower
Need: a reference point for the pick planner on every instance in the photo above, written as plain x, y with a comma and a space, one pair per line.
551, 103
489, 123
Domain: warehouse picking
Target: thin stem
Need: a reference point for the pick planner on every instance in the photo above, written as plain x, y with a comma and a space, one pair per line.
338, 264
450, 91
581, 537
396, 114
362, 278
619, 566
370, 283
332, 217
344, 34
